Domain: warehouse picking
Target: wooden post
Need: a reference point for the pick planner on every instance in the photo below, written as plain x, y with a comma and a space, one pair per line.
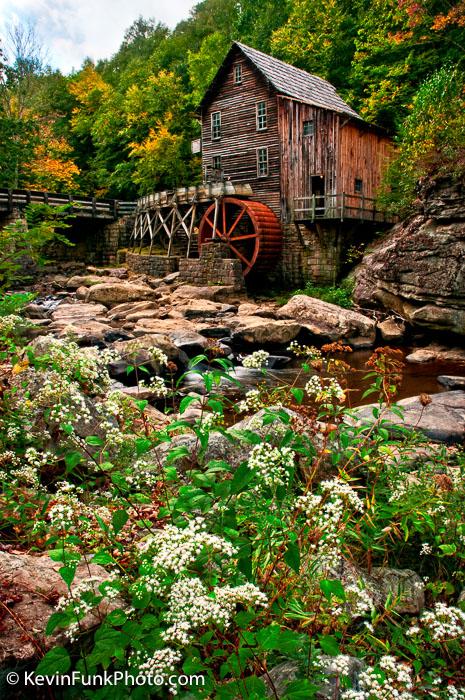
215, 218
94, 207
313, 207
191, 229
362, 207
343, 204
150, 231
10, 200
171, 236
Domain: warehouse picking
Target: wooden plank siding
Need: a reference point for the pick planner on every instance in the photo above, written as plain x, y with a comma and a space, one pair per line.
305, 156
239, 135
363, 154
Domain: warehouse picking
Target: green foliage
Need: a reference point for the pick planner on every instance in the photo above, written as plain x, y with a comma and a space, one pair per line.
27, 239
341, 295
13, 303
431, 139
225, 571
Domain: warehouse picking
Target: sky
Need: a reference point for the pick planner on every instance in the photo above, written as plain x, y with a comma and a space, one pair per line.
72, 30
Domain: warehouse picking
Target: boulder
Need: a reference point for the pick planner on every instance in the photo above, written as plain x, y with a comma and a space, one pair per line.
203, 308
31, 586
181, 332
136, 352
86, 281
329, 322
69, 314
224, 294
114, 293
392, 331
265, 310
256, 330
441, 420
452, 382
85, 333
436, 353
417, 268
122, 311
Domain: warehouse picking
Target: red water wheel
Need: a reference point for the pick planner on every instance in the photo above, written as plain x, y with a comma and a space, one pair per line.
250, 229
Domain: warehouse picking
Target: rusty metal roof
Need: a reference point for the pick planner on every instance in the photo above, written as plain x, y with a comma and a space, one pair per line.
296, 83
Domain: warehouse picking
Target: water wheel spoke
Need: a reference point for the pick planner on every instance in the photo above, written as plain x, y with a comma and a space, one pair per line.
223, 206
218, 232
239, 254
244, 237
238, 218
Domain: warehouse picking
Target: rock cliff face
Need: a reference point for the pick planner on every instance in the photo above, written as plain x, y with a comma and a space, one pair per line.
418, 268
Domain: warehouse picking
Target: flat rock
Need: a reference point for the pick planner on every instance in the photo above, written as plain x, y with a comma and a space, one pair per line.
256, 330
442, 420
86, 281
85, 333
68, 314
250, 309
436, 353
452, 382
33, 584
224, 294
328, 321
203, 308
112, 294
121, 311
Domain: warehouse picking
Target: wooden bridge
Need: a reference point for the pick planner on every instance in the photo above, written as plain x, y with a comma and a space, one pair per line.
88, 207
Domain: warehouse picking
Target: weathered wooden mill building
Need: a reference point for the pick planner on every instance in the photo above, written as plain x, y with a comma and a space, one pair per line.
310, 164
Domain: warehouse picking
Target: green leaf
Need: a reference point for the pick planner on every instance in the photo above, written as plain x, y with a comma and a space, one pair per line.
57, 619
292, 556
67, 573
116, 617
119, 520
186, 402
142, 445
329, 645
298, 394
94, 440
55, 661
72, 459
141, 404
241, 478
448, 549
332, 587
103, 558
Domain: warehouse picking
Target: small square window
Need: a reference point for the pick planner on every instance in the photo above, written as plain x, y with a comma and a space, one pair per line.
309, 128
262, 162
238, 74
216, 162
261, 116
216, 125
358, 186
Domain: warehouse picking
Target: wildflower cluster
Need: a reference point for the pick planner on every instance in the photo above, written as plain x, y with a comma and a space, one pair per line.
327, 513
390, 679
310, 352
324, 389
86, 366
256, 360
272, 464
443, 622
251, 402
83, 598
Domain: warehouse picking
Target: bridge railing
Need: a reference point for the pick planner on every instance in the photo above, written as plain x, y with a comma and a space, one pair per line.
84, 206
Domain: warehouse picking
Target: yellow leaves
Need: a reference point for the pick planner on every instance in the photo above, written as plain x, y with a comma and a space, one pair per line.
20, 367
88, 85
50, 169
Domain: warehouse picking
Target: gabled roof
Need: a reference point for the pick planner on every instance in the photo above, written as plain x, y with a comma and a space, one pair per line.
290, 81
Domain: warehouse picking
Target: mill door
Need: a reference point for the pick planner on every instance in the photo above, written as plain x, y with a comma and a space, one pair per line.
317, 183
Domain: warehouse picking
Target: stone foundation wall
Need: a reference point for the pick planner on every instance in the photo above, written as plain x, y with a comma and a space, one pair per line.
115, 235
153, 265
311, 252
214, 267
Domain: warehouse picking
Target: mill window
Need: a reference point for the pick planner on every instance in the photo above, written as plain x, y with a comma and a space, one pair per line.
358, 186
216, 125
309, 128
261, 116
262, 162
216, 162
238, 74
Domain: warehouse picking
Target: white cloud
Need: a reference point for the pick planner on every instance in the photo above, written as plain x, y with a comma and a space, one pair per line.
72, 31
